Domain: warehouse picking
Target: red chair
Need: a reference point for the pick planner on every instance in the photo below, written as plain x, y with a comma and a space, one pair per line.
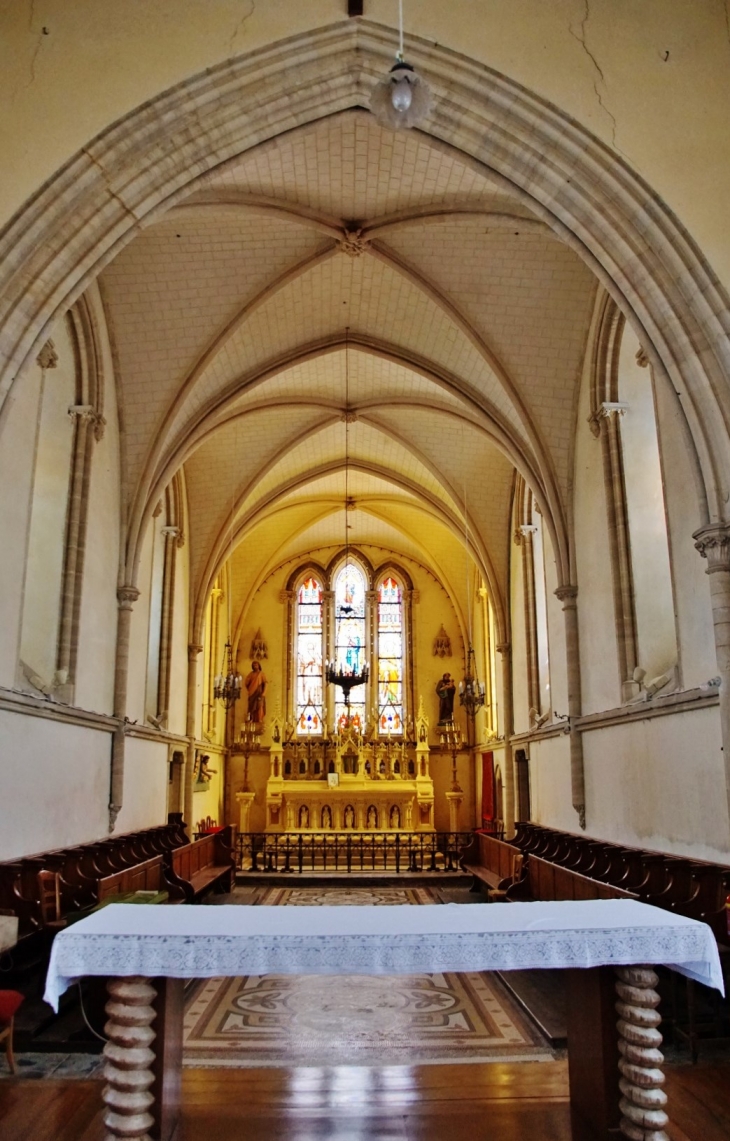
10, 1000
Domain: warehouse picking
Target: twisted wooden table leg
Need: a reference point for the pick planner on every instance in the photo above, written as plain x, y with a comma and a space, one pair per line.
129, 1059
642, 1105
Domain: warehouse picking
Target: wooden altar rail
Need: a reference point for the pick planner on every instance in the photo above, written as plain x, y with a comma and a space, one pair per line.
392, 852
691, 887
79, 869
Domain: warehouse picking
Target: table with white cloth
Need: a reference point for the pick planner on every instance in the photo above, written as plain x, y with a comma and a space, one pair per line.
143, 949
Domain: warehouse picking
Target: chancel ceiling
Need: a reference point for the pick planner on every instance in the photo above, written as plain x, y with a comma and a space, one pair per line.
347, 289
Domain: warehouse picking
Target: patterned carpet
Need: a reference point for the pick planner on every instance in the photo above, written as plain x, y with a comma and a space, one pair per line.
354, 1020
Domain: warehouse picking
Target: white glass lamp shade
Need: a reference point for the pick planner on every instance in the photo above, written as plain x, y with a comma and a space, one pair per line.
401, 99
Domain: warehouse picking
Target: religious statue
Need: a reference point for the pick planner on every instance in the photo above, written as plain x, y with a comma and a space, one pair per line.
446, 689
395, 817
349, 816
303, 816
204, 773
326, 817
256, 688
372, 817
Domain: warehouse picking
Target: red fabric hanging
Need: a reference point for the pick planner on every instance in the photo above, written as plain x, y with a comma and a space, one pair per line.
488, 790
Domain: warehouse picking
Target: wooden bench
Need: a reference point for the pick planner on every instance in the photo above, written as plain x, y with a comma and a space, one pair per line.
490, 862
546, 881
148, 877
79, 870
205, 865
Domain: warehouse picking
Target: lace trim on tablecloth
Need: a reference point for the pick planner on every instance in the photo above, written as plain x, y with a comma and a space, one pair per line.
202, 956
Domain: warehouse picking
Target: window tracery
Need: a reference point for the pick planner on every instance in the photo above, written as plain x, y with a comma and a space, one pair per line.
337, 616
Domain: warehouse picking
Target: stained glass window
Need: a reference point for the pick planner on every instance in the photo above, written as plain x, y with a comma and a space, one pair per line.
350, 651
390, 656
309, 657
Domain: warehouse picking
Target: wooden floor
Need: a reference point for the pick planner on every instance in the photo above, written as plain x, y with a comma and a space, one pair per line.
524, 1101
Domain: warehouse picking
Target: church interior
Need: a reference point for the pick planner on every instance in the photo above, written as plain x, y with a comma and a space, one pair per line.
363, 482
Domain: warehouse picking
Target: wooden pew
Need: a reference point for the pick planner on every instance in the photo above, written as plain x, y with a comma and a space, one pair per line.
546, 881
203, 866
690, 887
148, 876
79, 868
489, 861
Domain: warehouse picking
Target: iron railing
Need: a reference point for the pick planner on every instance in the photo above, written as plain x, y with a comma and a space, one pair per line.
392, 852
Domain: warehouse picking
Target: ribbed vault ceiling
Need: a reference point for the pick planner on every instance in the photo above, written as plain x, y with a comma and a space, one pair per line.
346, 286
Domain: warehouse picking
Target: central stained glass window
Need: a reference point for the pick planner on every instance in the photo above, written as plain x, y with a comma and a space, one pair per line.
350, 653
350, 634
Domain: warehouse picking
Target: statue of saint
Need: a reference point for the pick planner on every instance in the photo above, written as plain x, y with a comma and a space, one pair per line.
446, 689
349, 816
255, 684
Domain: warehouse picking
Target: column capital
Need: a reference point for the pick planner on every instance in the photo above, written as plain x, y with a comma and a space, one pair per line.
503, 648
170, 532
127, 596
88, 414
193, 651
713, 543
567, 594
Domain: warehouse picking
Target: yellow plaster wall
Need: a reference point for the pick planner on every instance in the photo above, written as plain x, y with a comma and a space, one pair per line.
650, 78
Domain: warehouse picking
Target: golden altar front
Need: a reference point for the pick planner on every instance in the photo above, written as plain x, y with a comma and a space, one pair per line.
349, 784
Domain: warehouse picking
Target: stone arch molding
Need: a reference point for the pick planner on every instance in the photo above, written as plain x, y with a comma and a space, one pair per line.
58, 243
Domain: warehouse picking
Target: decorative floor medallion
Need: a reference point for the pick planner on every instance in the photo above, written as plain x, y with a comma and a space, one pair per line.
353, 1019
345, 897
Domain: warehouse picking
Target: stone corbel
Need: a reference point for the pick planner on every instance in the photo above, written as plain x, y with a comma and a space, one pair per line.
47, 357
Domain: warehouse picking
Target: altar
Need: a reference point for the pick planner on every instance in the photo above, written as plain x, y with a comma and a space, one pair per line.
347, 784
147, 949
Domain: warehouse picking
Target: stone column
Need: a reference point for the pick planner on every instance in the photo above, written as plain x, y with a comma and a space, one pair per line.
713, 543
126, 598
88, 427
245, 800
454, 800
524, 539
171, 537
568, 595
193, 651
504, 650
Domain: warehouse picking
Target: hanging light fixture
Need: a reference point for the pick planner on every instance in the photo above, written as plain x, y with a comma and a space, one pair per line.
228, 683
347, 675
402, 98
471, 690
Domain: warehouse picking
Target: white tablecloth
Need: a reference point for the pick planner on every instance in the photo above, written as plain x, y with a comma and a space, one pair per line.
206, 942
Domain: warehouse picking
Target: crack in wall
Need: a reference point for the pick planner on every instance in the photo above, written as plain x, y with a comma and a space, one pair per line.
237, 30
36, 51
108, 185
580, 37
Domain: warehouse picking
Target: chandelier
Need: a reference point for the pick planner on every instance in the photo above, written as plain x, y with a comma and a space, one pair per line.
227, 684
471, 690
402, 98
347, 673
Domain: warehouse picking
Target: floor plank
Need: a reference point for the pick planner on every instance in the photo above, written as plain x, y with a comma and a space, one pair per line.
520, 1101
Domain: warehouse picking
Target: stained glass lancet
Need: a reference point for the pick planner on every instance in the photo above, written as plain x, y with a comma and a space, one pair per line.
390, 656
309, 657
350, 652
